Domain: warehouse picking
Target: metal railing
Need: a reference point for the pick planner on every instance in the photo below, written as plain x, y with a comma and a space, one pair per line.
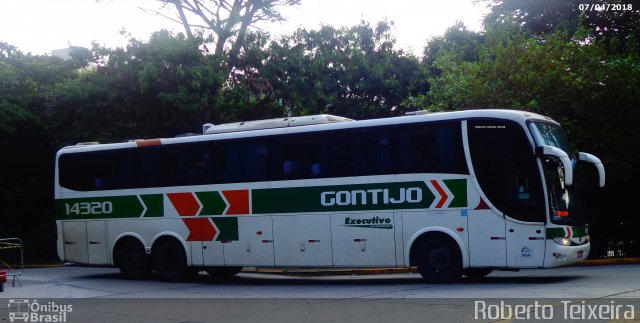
11, 259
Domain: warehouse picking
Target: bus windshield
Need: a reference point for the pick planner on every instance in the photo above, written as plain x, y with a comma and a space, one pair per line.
548, 134
561, 197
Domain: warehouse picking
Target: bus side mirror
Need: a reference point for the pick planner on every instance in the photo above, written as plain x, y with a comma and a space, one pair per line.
564, 159
596, 162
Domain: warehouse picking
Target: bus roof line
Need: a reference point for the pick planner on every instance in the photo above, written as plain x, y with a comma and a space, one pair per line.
209, 128
334, 123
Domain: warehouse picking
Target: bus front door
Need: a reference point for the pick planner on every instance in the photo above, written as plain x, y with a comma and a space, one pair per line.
525, 244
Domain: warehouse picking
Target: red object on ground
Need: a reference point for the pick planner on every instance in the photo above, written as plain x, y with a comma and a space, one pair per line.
3, 276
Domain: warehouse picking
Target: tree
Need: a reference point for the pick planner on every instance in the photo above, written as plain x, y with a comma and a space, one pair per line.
156, 88
228, 21
461, 45
353, 72
609, 20
26, 170
457, 39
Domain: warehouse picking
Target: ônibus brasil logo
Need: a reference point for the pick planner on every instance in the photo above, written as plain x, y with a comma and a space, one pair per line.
24, 310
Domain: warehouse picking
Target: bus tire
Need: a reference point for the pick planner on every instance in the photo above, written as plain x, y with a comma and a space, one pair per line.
132, 260
439, 260
170, 261
223, 273
476, 273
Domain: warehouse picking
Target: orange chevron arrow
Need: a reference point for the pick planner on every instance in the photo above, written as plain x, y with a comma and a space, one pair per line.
186, 204
442, 193
238, 201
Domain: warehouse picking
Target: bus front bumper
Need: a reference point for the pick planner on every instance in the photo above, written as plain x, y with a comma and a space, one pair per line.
558, 255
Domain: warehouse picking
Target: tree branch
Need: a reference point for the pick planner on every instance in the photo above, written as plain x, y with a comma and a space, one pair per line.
183, 18
158, 13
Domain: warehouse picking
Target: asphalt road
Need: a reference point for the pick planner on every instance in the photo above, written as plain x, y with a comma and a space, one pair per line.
101, 295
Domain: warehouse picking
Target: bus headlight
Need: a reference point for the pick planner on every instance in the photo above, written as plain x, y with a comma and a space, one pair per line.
562, 241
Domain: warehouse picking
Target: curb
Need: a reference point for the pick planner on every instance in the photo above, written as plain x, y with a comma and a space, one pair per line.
310, 272
613, 261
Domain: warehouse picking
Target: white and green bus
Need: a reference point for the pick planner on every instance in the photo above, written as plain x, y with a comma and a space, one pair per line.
455, 193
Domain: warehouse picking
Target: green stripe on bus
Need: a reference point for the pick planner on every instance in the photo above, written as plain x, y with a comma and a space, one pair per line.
580, 231
129, 206
357, 197
458, 188
155, 205
228, 227
576, 232
212, 203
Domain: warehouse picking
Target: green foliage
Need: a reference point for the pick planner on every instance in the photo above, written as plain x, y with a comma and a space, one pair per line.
353, 72
24, 149
605, 19
149, 89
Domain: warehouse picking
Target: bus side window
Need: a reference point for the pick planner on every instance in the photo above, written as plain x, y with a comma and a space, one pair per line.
340, 154
506, 168
382, 153
257, 162
299, 157
359, 152
129, 170
434, 148
104, 167
169, 168
73, 174
229, 163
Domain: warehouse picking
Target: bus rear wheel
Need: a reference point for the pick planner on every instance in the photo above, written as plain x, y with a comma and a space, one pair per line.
439, 260
132, 260
170, 261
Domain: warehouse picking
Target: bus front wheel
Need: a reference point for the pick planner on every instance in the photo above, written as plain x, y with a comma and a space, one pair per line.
439, 260
170, 261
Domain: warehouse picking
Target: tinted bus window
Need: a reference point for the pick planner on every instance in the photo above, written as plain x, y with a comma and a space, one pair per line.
301, 157
359, 152
432, 148
506, 168
415, 148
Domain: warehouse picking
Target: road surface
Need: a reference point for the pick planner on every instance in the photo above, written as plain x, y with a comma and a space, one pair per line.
101, 295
